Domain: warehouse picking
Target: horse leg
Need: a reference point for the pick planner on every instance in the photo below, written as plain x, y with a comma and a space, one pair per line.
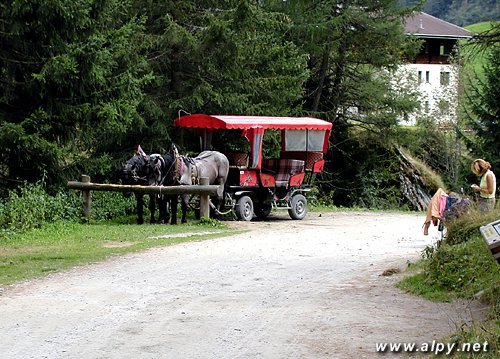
184, 207
166, 208
152, 207
173, 210
217, 200
161, 208
163, 202
140, 208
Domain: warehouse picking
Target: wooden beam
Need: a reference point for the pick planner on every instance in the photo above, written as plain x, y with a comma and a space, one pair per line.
211, 190
87, 199
204, 200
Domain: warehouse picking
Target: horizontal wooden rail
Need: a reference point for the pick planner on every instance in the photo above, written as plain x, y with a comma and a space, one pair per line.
211, 190
203, 190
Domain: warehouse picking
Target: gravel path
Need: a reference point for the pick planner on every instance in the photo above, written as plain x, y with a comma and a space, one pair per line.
285, 289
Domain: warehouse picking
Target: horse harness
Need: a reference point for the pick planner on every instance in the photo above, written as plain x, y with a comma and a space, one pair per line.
179, 169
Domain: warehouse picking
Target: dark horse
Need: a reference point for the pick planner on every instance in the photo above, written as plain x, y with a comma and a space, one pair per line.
135, 172
173, 169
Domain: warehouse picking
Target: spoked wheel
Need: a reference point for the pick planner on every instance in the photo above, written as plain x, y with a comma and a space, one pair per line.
263, 210
298, 208
244, 208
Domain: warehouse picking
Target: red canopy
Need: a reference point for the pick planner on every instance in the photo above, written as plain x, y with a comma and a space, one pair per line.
246, 122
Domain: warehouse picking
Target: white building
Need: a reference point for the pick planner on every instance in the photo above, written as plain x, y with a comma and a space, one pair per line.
433, 71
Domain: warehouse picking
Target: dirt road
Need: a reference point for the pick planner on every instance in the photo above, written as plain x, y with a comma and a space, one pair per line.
286, 289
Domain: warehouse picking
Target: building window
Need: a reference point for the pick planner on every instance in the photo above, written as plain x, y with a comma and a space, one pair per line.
444, 78
444, 50
426, 106
427, 76
444, 107
419, 78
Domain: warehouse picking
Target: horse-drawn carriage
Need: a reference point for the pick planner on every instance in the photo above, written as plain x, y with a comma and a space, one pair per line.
254, 185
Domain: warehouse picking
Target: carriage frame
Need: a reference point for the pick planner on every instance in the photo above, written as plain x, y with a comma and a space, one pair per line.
255, 186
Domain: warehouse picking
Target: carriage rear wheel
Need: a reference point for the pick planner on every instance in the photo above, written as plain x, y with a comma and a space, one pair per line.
298, 206
244, 208
263, 210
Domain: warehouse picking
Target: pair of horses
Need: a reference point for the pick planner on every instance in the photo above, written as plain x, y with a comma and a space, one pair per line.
172, 169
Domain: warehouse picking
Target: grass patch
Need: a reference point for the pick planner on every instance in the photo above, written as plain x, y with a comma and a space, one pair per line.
417, 284
62, 245
462, 267
430, 177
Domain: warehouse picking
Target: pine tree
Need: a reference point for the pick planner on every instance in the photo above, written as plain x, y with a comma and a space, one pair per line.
220, 57
72, 78
483, 110
353, 46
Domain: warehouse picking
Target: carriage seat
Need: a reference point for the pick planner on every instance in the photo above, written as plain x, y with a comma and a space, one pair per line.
238, 159
313, 159
283, 169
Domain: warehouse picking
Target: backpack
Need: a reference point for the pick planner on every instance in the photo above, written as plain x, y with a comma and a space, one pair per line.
456, 207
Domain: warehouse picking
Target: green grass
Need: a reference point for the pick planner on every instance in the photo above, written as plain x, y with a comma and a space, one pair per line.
454, 271
475, 60
479, 27
462, 267
63, 245
417, 284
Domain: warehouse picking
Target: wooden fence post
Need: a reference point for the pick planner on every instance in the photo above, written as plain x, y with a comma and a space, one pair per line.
204, 200
87, 200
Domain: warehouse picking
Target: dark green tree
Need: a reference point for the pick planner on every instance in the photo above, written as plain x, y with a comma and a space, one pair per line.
226, 57
353, 49
72, 75
483, 109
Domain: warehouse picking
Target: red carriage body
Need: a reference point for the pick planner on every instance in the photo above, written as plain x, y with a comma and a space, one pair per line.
256, 185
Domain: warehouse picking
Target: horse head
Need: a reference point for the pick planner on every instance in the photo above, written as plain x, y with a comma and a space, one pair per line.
159, 170
134, 169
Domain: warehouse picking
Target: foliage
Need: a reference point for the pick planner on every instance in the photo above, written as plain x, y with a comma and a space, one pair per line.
440, 152
111, 205
30, 207
462, 267
205, 221
465, 268
86, 82
366, 176
347, 44
483, 110
431, 179
72, 78
353, 46
465, 227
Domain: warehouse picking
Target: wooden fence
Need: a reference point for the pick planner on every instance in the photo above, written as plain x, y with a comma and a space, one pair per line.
204, 190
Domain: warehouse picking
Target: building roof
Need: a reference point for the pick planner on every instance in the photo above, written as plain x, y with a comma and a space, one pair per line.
421, 24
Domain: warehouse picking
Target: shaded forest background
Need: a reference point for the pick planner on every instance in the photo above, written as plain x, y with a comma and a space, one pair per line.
461, 12
83, 83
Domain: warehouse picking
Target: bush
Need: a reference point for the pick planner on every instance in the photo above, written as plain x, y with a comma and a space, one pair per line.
467, 226
109, 205
463, 263
30, 206
465, 268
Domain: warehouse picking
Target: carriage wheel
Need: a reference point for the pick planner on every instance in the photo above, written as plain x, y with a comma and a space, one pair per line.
298, 208
263, 210
244, 208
